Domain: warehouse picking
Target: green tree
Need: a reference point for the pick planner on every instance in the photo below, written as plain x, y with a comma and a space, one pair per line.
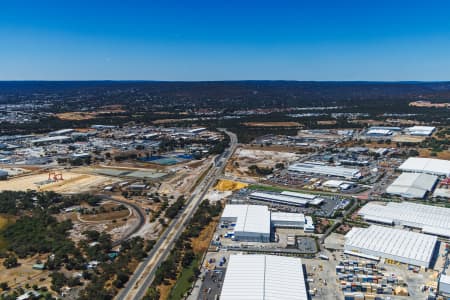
10, 262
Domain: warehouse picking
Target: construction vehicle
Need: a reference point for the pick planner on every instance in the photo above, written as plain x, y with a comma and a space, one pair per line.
52, 175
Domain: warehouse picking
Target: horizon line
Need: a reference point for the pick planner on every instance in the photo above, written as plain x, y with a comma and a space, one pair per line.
231, 80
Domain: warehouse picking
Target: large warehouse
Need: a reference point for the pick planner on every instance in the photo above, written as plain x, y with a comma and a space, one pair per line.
264, 277
253, 223
287, 198
323, 169
400, 245
413, 185
430, 219
420, 130
439, 167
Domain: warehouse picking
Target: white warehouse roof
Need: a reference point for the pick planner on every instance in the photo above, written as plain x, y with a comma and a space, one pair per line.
283, 199
287, 217
313, 168
431, 219
333, 183
432, 166
403, 246
249, 218
412, 185
298, 195
258, 218
312, 199
264, 277
420, 130
379, 132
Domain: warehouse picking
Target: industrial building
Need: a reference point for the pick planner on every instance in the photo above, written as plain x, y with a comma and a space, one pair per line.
399, 245
444, 285
51, 140
338, 184
61, 132
391, 128
265, 277
441, 193
197, 130
430, 219
312, 199
379, 132
254, 223
287, 220
420, 130
323, 169
3, 175
439, 167
291, 220
287, 198
413, 185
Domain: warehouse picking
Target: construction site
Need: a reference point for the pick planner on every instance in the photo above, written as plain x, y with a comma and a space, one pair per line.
56, 180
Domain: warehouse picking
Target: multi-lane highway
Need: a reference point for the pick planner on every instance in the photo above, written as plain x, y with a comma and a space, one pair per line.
144, 274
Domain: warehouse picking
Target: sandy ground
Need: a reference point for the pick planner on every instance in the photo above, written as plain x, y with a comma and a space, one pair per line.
149, 231
72, 183
14, 171
77, 115
224, 185
18, 276
440, 155
408, 139
185, 177
262, 158
116, 229
215, 196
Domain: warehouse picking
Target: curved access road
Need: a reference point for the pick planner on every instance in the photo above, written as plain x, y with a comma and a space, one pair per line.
143, 276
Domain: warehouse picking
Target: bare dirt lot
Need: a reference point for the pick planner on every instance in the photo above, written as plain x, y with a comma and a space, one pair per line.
243, 158
116, 223
25, 274
72, 182
184, 178
76, 116
81, 115
327, 122
440, 155
272, 124
408, 139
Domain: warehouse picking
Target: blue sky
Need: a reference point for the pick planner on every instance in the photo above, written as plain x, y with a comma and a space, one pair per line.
225, 40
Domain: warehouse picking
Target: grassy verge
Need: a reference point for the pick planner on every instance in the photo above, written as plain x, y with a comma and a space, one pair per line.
185, 280
200, 179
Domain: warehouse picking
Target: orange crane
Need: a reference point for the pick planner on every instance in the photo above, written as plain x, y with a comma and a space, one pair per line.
55, 176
